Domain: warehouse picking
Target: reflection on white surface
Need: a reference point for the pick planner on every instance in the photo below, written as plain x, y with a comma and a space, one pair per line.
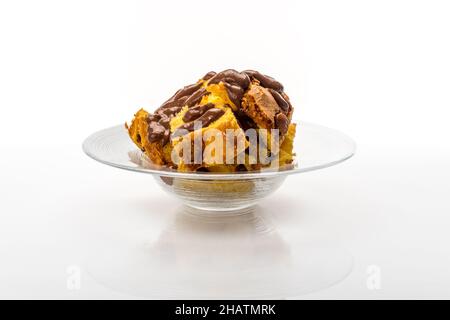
210, 256
219, 244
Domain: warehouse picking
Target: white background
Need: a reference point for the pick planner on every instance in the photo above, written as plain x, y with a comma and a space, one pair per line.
377, 70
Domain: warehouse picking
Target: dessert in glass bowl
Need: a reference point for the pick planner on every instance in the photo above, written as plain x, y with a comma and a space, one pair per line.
222, 143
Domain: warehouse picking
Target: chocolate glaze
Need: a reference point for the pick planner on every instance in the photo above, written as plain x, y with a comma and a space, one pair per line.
185, 91
196, 97
232, 77
265, 81
282, 103
179, 102
235, 93
196, 112
245, 122
282, 123
209, 75
206, 119
159, 122
155, 131
286, 98
168, 111
276, 90
236, 84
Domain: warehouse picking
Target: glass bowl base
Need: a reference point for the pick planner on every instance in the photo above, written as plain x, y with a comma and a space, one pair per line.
213, 211
220, 196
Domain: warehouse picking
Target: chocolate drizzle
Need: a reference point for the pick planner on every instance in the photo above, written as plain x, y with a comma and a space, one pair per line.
282, 103
236, 83
159, 122
275, 89
282, 123
232, 77
265, 81
196, 97
155, 131
196, 112
235, 93
184, 92
209, 75
204, 120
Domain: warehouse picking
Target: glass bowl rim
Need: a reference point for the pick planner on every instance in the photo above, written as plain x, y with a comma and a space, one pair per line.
265, 173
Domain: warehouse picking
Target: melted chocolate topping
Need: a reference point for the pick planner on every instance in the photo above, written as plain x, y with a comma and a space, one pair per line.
159, 122
265, 81
276, 90
236, 84
282, 123
173, 103
196, 112
232, 77
283, 104
186, 91
155, 131
196, 97
206, 119
209, 75
235, 93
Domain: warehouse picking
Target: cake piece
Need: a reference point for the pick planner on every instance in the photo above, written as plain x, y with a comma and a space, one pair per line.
286, 155
141, 133
266, 103
228, 100
215, 117
134, 129
260, 105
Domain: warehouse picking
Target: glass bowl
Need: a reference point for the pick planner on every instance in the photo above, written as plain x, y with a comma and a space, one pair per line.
316, 147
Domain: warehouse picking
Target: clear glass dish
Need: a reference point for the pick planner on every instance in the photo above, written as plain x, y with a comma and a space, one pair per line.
316, 147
